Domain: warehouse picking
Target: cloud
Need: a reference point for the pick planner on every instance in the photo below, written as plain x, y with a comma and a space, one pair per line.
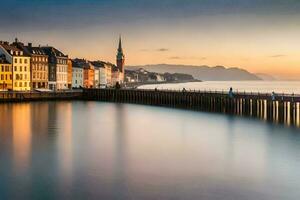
159, 50
175, 58
163, 49
277, 56
187, 58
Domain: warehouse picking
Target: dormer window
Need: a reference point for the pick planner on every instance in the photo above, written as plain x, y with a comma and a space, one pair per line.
21, 53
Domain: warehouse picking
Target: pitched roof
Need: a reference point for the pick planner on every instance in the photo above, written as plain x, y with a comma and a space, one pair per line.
81, 63
11, 49
3, 59
36, 50
51, 51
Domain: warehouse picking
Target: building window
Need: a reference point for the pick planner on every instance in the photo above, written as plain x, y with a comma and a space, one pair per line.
25, 61
16, 60
21, 60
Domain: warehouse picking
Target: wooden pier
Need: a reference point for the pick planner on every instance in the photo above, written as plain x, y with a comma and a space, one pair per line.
279, 108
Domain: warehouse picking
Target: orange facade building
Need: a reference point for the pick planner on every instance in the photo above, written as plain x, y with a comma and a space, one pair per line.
88, 76
69, 79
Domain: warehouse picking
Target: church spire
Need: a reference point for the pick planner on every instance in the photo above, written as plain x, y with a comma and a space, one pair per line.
120, 57
120, 44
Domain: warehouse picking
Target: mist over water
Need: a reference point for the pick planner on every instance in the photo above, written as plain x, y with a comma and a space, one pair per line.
280, 87
94, 150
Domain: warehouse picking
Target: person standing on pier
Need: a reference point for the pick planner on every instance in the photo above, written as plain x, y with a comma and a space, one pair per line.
230, 93
273, 96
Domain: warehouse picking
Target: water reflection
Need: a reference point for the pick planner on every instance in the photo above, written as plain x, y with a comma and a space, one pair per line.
93, 150
21, 132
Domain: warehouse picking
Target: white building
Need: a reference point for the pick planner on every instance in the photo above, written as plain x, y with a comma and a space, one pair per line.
77, 77
62, 74
108, 68
105, 73
96, 77
102, 77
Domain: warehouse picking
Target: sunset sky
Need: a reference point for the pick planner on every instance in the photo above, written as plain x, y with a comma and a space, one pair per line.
262, 36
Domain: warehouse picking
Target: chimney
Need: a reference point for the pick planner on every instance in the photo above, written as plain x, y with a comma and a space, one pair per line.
30, 44
16, 40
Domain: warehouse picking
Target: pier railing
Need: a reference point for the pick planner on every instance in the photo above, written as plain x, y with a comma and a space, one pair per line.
278, 108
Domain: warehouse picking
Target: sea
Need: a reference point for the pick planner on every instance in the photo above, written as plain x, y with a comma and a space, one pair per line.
98, 150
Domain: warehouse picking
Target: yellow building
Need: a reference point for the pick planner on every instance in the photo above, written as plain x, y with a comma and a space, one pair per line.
5, 74
20, 66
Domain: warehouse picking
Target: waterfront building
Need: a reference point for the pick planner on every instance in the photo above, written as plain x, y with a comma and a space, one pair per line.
118, 73
105, 73
88, 75
70, 73
88, 71
116, 76
77, 75
20, 64
108, 71
102, 77
39, 65
5, 74
58, 68
96, 77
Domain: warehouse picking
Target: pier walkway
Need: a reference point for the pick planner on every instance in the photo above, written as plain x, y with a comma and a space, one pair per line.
278, 108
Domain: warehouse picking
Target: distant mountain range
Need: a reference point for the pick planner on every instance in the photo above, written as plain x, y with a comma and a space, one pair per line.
205, 73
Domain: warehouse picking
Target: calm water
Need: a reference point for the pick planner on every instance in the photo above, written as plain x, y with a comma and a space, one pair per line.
93, 150
289, 87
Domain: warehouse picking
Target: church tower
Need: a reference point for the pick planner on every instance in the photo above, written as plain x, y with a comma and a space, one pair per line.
120, 57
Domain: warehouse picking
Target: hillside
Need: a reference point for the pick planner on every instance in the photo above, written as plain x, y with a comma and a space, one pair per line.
205, 73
